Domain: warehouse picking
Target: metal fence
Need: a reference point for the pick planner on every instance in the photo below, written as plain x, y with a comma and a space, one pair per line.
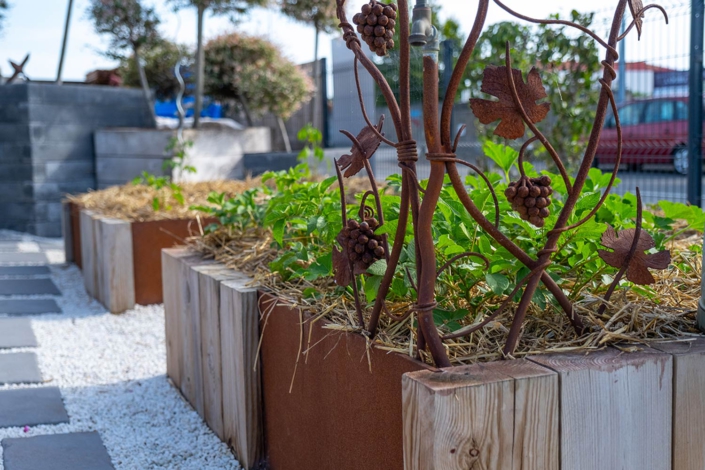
654, 108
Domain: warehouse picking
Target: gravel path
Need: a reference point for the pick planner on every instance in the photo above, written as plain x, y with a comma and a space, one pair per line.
111, 372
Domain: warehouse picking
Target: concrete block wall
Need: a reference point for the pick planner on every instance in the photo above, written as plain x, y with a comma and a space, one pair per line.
46, 146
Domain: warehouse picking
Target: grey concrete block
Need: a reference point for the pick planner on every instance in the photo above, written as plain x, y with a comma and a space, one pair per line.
61, 171
16, 93
132, 142
14, 210
13, 132
32, 407
258, 163
74, 451
19, 368
14, 112
15, 171
16, 333
55, 192
63, 151
16, 307
27, 286
23, 258
42, 132
16, 152
46, 229
24, 271
47, 211
14, 193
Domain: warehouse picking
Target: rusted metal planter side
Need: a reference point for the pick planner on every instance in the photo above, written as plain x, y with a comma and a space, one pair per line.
148, 240
71, 228
329, 400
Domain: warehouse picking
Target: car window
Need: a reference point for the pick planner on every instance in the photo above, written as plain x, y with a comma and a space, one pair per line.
630, 115
659, 111
681, 111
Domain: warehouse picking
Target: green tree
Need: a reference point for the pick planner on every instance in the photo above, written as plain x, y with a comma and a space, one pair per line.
322, 15
234, 8
159, 64
253, 72
132, 27
568, 64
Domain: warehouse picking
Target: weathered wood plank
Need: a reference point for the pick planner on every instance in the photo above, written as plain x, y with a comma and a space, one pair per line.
536, 415
192, 377
88, 253
458, 418
115, 268
616, 409
67, 231
242, 393
688, 403
209, 279
172, 259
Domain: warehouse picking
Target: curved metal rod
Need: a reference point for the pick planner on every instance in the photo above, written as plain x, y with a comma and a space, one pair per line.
341, 184
495, 314
615, 169
628, 259
585, 30
397, 318
467, 254
457, 137
487, 181
517, 102
459, 70
641, 12
416, 178
354, 45
355, 142
364, 111
521, 154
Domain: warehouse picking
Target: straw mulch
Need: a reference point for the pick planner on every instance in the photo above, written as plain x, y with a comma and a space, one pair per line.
134, 202
629, 321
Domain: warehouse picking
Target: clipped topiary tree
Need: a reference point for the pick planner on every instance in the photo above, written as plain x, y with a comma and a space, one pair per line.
159, 64
234, 8
253, 72
322, 16
131, 27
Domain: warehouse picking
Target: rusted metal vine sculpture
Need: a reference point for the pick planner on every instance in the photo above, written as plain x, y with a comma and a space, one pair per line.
517, 107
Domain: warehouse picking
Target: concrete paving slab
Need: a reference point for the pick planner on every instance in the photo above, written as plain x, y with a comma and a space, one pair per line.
23, 258
22, 271
74, 451
20, 307
32, 407
19, 368
16, 333
28, 287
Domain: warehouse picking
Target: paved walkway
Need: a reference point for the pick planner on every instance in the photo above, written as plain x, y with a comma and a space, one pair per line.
27, 290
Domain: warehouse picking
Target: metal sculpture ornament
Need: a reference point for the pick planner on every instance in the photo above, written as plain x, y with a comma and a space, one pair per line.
518, 105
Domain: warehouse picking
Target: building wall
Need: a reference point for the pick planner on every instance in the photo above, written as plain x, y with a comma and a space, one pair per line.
48, 142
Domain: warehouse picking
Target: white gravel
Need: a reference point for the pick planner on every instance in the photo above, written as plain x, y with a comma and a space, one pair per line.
111, 370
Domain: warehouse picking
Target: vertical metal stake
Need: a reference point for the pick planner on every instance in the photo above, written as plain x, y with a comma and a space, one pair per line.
64, 42
622, 90
695, 118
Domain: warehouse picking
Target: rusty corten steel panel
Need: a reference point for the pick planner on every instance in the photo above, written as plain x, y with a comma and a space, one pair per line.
148, 239
74, 215
343, 412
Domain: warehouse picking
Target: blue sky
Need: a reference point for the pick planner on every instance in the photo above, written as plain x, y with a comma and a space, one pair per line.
36, 26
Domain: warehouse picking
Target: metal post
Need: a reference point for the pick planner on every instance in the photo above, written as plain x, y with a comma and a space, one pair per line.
695, 118
64, 42
622, 90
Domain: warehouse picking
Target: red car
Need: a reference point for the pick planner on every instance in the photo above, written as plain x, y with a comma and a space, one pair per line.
653, 131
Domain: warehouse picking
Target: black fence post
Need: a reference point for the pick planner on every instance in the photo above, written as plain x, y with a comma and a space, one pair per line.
695, 118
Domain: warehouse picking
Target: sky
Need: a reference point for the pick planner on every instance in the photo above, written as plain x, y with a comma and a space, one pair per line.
36, 27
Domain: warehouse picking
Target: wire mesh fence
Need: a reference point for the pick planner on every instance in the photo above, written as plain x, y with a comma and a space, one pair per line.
652, 90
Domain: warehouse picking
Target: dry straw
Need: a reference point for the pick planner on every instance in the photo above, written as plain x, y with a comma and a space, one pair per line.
629, 322
133, 202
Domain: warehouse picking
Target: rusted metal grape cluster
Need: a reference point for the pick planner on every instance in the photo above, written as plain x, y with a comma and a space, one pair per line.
518, 107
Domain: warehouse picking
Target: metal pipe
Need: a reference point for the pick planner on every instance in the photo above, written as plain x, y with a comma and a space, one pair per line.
64, 42
622, 90
695, 92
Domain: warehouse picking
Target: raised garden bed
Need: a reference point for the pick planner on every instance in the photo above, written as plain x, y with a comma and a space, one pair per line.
320, 397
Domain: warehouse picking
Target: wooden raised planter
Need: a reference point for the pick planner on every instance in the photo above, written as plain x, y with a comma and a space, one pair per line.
320, 398
121, 260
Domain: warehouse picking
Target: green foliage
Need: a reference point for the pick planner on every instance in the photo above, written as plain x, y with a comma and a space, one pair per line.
253, 72
159, 62
305, 217
160, 184
234, 8
178, 161
313, 139
569, 65
242, 211
319, 13
130, 25
504, 156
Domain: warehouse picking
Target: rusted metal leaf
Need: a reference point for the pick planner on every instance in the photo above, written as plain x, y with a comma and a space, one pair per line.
636, 6
496, 83
369, 140
621, 244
